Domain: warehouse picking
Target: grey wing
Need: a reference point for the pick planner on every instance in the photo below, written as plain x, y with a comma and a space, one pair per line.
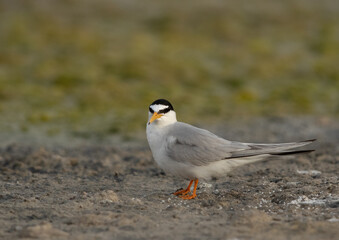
196, 146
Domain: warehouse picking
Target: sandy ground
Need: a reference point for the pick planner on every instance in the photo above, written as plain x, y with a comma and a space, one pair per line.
98, 191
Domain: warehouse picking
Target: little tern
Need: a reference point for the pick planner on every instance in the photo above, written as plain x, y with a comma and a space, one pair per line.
193, 153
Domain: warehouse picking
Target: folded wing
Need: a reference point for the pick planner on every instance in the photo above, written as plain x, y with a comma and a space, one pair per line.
195, 146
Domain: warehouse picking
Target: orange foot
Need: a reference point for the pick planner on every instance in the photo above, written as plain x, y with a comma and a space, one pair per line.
186, 197
182, 193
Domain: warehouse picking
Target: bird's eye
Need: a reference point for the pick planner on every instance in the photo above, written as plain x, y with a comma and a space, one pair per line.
163, 111
151, 110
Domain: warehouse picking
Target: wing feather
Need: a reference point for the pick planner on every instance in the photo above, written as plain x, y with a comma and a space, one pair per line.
196, 146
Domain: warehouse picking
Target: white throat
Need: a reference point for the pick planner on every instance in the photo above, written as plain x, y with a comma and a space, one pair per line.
167, 119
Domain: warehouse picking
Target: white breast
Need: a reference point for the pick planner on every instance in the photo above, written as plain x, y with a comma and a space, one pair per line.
156, 137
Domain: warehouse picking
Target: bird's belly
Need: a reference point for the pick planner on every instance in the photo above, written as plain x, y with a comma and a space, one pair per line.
175, 168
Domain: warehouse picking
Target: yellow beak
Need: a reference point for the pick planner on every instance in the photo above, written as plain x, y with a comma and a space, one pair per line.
155, 116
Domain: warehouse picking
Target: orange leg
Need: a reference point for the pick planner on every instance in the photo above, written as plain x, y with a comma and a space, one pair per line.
184, 191
194, 191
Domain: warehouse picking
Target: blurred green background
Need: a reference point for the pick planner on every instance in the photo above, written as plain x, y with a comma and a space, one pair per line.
93, 67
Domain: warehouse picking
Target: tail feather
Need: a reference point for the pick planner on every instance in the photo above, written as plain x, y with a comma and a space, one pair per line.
293, 152
281, 145
271, 149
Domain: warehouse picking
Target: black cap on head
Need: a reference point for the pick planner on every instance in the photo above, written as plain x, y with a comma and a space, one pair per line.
163, 102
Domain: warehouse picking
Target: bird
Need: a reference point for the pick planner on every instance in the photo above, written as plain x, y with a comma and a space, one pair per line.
193, 153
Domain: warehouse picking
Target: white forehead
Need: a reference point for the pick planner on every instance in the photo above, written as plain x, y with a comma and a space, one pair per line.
158, 107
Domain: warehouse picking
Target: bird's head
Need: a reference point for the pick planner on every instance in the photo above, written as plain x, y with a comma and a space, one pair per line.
161, 112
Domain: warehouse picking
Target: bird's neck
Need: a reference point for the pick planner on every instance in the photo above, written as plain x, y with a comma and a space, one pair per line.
169, 119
